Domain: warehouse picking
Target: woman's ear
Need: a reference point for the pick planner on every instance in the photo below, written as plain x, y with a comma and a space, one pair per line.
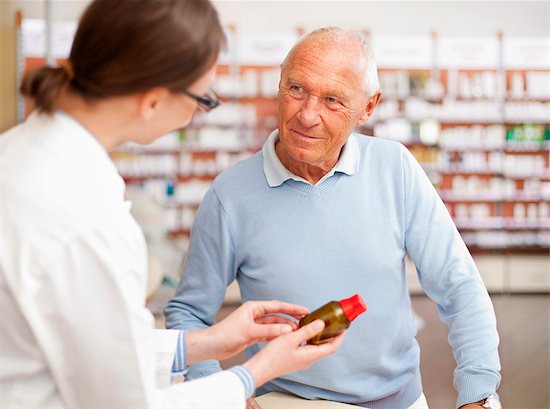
369, 109
150, 102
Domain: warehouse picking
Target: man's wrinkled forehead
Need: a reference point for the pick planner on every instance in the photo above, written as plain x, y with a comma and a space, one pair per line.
344, 61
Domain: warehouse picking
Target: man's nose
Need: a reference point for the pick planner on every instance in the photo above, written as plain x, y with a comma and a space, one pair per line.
309, 111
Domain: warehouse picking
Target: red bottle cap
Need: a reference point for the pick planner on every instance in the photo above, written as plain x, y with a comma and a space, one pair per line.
353, 306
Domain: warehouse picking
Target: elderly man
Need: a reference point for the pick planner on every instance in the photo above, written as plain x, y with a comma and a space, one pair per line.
322, 213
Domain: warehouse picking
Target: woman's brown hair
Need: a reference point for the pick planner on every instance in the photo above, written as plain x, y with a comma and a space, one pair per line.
124, 47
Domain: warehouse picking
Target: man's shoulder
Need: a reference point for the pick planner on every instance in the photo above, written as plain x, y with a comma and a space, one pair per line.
384, 149
245, 174
372, 142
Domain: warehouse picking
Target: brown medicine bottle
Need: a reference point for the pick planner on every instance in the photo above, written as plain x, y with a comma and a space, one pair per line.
337, 316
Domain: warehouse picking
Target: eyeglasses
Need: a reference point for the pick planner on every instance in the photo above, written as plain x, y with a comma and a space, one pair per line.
207, 102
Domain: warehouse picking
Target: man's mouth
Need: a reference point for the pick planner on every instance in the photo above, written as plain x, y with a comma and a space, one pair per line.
302, 134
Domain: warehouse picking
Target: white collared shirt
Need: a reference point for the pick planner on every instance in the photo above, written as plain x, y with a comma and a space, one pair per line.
277, 174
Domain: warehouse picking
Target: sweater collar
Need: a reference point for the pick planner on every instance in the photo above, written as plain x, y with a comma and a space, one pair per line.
276, 174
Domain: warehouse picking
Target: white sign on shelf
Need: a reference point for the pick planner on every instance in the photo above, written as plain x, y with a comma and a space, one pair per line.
468, 52
264, 49
34, 38
403, 52
526, 52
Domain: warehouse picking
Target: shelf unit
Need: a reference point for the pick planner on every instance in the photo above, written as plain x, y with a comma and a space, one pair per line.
470, 109
481, 130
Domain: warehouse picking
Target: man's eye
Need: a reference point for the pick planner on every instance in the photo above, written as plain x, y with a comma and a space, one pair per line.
296, 88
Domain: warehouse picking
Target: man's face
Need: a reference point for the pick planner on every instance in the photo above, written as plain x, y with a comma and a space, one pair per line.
321, 100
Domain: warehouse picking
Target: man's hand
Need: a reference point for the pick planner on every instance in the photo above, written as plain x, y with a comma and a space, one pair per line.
252, 322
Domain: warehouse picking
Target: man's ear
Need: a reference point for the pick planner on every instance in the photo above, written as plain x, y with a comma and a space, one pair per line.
369, 109
150, 102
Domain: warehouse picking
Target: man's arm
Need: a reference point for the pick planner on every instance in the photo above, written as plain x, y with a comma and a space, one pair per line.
449, 276
209, 269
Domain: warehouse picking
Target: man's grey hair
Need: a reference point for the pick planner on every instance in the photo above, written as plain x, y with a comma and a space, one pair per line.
340, 37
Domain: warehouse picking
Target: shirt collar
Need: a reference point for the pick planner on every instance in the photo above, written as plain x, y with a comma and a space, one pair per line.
276, 174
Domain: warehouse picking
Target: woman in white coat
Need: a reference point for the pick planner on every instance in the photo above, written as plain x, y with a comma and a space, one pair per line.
74, 330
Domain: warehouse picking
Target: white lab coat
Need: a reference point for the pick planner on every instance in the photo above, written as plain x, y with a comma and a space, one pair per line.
74, 331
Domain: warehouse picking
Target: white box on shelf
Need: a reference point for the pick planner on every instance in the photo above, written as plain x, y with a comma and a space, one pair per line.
492, 269
529, 273
526, 52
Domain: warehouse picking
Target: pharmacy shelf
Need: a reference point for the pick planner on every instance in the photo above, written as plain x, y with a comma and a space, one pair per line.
178, 151
485, 224
450, 196
457, 170
505, 108
259, 99
508, 250
189, 178
243, 85
533, 175
526, 99
459, 149
539, 120
133, 180
143, 151
502, 223
523, 199
525, 224
508, 149
176, 233
187, 205
511, 149
197, 126
467, 122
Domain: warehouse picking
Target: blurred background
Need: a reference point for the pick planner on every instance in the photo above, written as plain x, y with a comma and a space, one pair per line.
465, 86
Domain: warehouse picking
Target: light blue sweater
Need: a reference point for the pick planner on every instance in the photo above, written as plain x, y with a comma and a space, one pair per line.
312, 244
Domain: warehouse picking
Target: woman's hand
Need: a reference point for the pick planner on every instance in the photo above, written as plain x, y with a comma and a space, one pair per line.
251, 323
288, 354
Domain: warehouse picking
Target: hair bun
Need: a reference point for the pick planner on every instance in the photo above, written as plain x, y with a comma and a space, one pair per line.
44, 85
67, 67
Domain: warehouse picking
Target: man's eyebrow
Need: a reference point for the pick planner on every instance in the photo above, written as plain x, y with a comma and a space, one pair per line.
292, 80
